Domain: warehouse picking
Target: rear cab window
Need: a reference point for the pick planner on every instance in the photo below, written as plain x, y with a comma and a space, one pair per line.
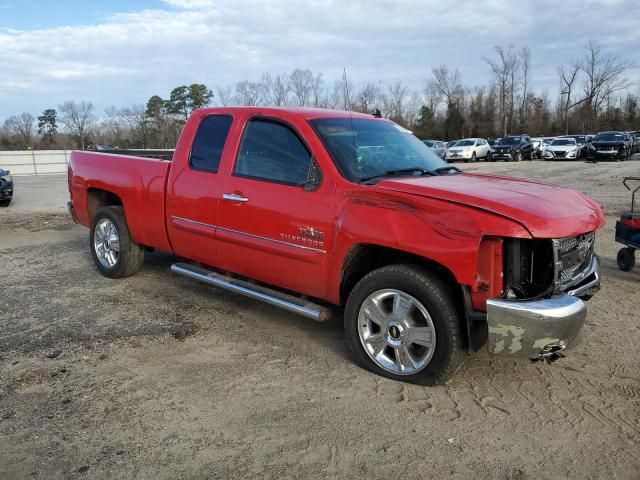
208, 143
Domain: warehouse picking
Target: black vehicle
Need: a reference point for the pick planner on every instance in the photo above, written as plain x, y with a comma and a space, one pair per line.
628, 230
609, 146
6, 188
513, 147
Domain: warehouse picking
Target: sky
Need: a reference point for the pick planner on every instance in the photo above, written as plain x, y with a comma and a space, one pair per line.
118, 52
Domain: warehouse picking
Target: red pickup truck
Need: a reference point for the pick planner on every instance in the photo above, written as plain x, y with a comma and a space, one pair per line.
320, 210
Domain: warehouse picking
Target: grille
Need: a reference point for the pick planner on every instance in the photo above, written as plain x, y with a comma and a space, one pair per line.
560, 153
573, 257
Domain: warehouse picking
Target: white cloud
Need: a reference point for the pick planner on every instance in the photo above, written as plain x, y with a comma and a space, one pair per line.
131, 56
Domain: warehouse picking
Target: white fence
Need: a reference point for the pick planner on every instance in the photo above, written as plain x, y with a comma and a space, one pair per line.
35, 162
47, 162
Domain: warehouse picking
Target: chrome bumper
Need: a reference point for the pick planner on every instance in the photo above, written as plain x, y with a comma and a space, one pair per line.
531, 328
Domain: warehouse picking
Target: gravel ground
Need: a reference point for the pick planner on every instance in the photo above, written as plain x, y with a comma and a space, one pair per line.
159, 377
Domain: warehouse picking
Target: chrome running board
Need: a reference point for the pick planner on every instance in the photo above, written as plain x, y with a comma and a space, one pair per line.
273, 297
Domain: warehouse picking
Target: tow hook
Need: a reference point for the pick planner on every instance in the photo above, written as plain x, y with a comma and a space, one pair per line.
550, 353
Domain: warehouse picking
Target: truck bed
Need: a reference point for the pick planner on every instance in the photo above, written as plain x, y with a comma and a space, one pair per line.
138, 182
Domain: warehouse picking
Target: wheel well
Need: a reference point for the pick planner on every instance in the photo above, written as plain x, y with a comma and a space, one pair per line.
364, 258
98, 198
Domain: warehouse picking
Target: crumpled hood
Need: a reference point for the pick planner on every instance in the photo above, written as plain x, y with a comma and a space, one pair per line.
547, 211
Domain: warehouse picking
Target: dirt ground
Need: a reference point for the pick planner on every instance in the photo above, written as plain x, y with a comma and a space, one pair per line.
160, 377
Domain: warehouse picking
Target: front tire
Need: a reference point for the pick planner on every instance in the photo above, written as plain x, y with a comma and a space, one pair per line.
401, 322
5, 202
114, 252
517, 157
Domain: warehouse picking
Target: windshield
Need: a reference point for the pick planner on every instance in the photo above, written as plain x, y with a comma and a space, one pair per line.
428, 143
579, 138
608, 137
363, 148
464, 143
564, 141
509, 141
2, 173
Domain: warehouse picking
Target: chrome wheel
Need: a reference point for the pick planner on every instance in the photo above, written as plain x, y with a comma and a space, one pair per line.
106, 243
396, 331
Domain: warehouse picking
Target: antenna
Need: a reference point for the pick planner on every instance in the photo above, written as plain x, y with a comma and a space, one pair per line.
347, 101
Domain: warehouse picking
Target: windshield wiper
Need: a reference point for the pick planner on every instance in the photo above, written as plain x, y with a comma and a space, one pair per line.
415, 172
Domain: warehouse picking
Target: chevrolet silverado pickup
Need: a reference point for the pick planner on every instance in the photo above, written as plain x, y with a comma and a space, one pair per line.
320, 212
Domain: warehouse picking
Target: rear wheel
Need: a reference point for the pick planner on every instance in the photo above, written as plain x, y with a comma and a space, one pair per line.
114, 252
626, 259
401, 322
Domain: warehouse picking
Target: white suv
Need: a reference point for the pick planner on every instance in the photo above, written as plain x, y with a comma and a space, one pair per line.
469, 149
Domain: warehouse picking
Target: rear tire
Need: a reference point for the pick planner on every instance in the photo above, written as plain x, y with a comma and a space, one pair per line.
626, 259
114, 252
393, 306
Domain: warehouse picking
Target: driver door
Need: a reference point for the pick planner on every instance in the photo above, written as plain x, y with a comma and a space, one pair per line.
275, 214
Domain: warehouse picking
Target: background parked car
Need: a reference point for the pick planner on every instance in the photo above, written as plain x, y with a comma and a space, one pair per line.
539, 145
562, 148
513, 147
608, 146
449, 144
469, 149
581, 141
437, 146
6, 188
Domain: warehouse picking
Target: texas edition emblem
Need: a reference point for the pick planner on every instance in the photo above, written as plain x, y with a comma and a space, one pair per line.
306, 236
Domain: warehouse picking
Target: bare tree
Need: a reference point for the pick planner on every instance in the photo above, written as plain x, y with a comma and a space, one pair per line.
396, 101
604, 76
317, 90
567, 81
224, 95
78, 119
368, 97
301, 83
136, 122
22, 127
249, 93
503, 72
525, 65
276, 89
446, 83
113, 122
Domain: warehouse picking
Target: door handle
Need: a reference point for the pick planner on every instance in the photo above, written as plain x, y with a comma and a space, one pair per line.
234, 197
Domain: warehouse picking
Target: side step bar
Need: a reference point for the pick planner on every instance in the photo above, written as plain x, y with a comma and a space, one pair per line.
279, 299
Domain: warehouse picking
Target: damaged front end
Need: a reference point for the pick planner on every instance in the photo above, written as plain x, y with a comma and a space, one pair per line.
541, 311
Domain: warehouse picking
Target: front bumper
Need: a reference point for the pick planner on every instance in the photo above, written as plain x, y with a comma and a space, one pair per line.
457, 156
507, 156
606, 155
6, 189
530, 328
